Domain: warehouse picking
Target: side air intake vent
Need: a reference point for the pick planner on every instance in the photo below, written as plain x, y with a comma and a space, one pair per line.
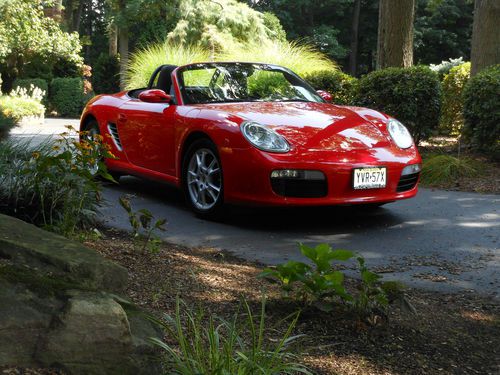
113, 130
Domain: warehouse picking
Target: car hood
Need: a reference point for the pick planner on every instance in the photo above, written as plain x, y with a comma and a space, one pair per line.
315, 126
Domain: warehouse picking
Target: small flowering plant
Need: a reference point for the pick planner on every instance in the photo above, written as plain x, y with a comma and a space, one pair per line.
63, 181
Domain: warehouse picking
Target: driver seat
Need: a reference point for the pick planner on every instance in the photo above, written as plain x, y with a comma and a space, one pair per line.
165, 79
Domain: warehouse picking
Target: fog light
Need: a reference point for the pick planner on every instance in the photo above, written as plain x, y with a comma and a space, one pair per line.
411, 169
298, 174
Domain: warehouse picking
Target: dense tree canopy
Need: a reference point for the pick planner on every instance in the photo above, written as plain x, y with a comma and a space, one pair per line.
222, 23
28, 37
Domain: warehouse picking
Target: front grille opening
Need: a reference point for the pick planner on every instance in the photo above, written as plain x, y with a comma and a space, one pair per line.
299, 183
407, 182
113, 130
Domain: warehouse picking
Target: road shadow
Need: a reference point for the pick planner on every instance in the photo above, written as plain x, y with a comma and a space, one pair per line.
312, 220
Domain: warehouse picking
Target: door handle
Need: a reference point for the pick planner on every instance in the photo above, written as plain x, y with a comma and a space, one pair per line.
122, 117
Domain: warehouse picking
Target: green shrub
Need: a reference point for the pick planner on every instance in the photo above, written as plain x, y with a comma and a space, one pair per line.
442, 170
452, 120
212, 345
337, 83
482, 110
411, 95
67, 96
444, 68
30, 83
321, 285
106, 74
19, 107
52, 185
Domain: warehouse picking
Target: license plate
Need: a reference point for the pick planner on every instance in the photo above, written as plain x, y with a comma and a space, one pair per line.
369, 178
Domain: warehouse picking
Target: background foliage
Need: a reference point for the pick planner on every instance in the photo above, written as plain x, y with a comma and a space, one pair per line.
482, 111
411, 95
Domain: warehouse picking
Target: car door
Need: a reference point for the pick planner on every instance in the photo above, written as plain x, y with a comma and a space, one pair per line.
147, 134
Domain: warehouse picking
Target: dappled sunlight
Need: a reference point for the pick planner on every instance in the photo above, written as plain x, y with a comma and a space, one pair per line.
478, 225
351, 364
480, 316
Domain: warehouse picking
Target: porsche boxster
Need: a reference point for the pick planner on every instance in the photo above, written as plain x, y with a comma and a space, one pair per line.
252, 133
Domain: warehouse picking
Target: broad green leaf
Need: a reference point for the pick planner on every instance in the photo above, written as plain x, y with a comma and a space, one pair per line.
335, 277
341, 255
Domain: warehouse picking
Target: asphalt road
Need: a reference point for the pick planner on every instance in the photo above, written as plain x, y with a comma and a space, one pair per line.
439, 240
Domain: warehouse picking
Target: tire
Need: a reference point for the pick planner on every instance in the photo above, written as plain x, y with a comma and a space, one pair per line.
93, 129
202, 179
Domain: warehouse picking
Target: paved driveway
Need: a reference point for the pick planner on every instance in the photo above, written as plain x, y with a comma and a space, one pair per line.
439, 240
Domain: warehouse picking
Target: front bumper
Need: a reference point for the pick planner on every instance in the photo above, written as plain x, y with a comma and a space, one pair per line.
247, 175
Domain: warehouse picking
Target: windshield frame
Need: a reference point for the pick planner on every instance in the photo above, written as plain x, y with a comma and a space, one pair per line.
269, 67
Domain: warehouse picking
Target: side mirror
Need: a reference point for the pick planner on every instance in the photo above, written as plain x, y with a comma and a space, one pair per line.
155, 96
325, 95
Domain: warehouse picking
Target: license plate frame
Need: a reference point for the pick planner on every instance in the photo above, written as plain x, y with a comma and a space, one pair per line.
375, 179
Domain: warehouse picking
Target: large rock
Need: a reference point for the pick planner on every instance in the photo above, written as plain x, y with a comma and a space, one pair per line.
28, 245
63, 305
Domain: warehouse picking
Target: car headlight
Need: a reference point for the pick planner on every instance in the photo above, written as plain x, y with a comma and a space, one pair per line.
263, 137
399, 133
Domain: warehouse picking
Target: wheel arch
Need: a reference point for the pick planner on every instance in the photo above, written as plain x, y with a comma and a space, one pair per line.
87, 119
188, 141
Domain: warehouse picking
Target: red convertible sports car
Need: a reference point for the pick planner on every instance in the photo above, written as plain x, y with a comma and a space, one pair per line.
254, 134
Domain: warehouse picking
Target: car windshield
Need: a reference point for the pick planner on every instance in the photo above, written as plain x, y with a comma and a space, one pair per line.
242, 82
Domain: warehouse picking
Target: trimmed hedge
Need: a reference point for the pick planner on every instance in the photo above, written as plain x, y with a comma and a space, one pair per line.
411, 95
106, 75
337, 83
67, 96
36, 82
482, 111
451, 121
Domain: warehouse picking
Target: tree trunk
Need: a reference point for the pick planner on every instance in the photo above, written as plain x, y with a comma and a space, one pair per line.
77, 16
395, 33
113, 40
123, 39
353, 56
485, 35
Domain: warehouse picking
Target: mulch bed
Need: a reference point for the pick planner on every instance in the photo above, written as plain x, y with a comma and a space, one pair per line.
452, 333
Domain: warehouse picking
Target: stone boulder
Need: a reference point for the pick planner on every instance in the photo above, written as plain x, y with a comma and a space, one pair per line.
63, 305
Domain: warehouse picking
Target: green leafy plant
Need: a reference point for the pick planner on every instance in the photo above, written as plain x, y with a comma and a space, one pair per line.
446, 170
411, 95
322, 286
451, 121
67, 96
53, 185
482, 111
215, 346
143, 220
337, 83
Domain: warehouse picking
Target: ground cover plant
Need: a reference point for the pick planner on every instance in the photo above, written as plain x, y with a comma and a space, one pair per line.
321, 283
445, 169
449, 164
218, 346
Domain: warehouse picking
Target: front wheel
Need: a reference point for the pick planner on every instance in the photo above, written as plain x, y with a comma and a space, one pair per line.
202, 178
